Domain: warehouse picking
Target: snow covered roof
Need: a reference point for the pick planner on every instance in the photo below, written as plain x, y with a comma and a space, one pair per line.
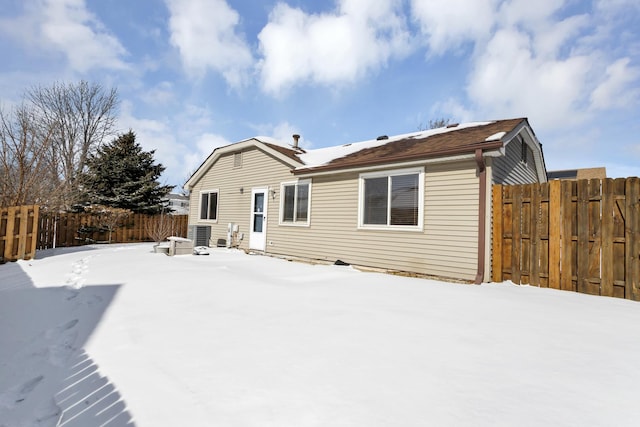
451, 140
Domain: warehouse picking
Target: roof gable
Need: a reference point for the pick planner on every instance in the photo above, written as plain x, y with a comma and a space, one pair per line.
286, 155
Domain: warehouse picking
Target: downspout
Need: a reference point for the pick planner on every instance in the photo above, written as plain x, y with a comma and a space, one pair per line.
482, 209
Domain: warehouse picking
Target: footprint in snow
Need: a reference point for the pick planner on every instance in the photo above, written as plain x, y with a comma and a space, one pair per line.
63, 339
28, 387
78, 270
19, 393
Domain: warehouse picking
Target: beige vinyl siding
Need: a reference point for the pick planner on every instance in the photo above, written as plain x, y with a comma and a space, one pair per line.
509, 168
258, 170
446, 247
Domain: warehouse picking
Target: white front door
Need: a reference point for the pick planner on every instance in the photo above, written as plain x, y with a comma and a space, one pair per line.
258, 234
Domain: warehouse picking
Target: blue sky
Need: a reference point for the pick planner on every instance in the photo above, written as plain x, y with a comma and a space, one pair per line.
193, 75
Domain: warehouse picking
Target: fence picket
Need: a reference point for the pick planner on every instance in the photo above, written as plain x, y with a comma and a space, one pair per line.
583, 235
534, 236
566, 245
516, 236
606, 280
554, 234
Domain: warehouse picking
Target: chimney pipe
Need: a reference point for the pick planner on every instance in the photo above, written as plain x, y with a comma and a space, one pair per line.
296, 137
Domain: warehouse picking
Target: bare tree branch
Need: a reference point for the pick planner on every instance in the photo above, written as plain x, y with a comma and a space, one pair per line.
82, 115
24, 144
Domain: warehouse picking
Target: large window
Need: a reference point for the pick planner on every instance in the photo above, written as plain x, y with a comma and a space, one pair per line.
209, 205
294, 205
392, 199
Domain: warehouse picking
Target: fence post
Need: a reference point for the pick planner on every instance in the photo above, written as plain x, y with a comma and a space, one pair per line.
516, 235
534, 236
632, 243
606, 279
583, 235
554, 234
8, 243
496, 241
566, 273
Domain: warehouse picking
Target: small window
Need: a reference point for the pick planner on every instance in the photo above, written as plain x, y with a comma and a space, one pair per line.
209, 205
392, 199
237, 159
526, 153
294, 205
523, 151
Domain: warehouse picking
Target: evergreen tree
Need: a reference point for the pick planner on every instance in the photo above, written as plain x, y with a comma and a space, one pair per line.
121, 175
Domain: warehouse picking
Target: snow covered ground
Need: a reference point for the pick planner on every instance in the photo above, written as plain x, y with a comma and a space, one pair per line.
118, 335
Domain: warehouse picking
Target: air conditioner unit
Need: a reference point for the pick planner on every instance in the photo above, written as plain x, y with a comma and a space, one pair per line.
200, 234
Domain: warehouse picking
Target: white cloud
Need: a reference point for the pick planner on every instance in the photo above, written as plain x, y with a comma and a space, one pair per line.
532, 59
156, 135
552, 36
529, 14
450, 23
67, 27
205, 33
284, 132
617, 6
160, 94
181, 149
204, 146
617, 90
509, 79
332, 48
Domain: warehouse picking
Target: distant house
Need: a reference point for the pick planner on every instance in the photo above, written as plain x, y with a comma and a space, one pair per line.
573, 174
178, 203
418, 202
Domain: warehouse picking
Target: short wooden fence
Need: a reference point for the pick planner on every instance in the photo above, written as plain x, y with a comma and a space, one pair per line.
75, 229
581, 236
18, 232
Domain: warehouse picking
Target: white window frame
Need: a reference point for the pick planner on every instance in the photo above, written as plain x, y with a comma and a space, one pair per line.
295, 223
389, 173
217, 192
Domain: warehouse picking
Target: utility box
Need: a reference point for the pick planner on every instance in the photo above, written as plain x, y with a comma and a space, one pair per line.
180, 246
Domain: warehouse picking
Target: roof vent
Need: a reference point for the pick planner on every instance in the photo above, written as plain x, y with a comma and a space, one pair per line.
296, 137
382, 138
453, 125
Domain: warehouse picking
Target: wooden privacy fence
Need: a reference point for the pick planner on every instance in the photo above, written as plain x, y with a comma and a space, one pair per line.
75, 229
581, 236
18, 232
